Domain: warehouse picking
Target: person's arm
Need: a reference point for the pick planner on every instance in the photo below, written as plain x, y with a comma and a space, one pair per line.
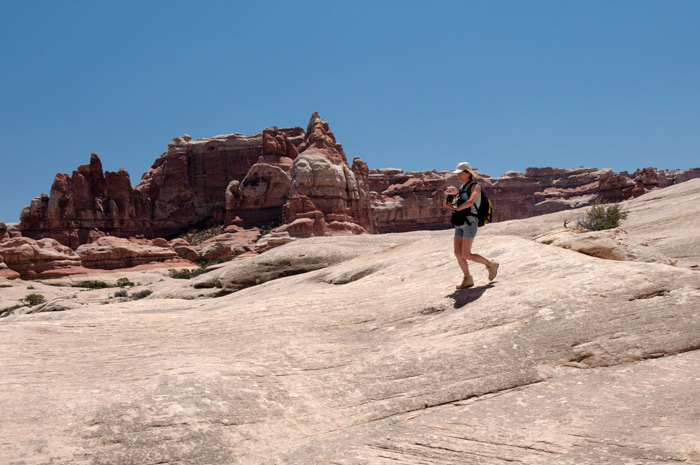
472, 198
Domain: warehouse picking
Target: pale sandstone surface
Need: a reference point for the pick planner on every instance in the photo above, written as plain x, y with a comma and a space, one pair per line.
65, 292
667, 220
374, 357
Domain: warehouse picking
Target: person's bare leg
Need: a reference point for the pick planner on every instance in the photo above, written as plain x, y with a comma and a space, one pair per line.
458, 249
468, 255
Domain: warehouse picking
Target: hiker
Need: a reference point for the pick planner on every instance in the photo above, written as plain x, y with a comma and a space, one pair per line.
469, 199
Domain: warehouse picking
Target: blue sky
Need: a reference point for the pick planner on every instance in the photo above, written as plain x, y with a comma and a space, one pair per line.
414, 85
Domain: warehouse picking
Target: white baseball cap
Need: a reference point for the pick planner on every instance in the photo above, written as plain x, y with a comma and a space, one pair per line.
464, 166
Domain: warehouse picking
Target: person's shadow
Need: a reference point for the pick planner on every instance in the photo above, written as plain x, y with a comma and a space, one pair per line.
464, 296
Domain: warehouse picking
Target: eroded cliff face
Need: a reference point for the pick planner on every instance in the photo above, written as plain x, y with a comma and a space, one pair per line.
413, 200
188, 184
87, 205
247, 180
300, 181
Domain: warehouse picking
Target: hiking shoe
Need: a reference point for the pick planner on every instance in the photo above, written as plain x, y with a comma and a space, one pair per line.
468, 281
493, 270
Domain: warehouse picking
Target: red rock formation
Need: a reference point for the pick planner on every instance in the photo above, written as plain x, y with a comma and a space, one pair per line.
399, 204
228, 244
327, 195
3, 232
109, 253
302, 218
251, 180
6, 272
32, 259
276, 142
183, 249
414, 202
85, 205
259, 198
320, 139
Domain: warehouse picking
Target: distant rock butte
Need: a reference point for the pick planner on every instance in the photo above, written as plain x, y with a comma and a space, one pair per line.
299, 181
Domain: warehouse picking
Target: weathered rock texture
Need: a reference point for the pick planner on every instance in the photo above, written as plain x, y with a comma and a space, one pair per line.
3, 232
612, 244
224, 179
373, 357
87, 205
409, 201
6, 272
302, 182
413, 200
31, 258
109, 253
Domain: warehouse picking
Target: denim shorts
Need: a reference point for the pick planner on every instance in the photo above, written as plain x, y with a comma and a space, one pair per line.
467, 231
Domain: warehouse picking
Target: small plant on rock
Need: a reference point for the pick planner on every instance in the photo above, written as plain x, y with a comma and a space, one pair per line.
124, 282
93, 284
601, 217
266, 229
121, 293
196, 237
186, 273
141, 294
34, 299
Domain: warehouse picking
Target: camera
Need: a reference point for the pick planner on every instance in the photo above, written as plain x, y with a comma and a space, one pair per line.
450, 198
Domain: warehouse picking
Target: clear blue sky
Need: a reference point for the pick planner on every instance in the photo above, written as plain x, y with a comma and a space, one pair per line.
412, 85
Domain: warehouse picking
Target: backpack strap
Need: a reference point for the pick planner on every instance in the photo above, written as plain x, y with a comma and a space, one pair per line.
472, 211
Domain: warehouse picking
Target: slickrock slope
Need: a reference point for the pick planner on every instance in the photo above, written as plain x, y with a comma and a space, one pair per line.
356, 350
374, 357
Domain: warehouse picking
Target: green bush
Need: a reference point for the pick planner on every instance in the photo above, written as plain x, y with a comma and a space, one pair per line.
121, 293
266, 229
186, 273
34, 299
123, 282
601, 217
93, 284
141, 294
204, 264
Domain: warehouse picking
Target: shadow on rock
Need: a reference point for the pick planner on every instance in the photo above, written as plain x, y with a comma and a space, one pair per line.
464, 296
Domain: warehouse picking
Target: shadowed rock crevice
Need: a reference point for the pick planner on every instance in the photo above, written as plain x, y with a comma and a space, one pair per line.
651, 294
349, 276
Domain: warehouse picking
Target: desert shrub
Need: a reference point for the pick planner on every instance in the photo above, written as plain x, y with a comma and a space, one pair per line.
204, 264
186, 273
196, 237
30, 287
93, 284
34, 299
124, 282
264, 230
141, 294
121, 293
601, 217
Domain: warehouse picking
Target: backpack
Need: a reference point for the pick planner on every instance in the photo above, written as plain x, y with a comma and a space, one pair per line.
484, 213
